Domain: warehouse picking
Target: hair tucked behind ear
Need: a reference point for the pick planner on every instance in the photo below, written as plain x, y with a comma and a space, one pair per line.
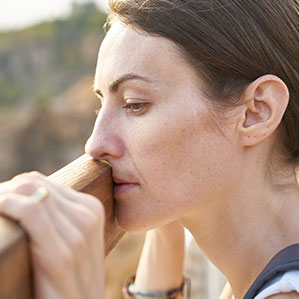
230, 43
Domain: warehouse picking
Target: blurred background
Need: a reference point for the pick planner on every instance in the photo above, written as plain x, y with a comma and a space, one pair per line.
48, 52
46, 75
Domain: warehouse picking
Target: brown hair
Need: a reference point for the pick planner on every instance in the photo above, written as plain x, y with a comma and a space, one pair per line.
230, 43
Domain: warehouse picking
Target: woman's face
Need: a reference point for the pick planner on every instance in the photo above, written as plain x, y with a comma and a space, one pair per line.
156, 130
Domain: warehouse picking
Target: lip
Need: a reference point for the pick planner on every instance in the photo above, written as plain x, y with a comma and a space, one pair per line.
121, 186
119, 181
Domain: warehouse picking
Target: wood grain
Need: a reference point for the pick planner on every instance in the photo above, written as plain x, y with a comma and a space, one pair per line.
93, 177
83, 174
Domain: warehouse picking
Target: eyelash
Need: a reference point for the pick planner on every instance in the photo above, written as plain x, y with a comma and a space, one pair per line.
129, 107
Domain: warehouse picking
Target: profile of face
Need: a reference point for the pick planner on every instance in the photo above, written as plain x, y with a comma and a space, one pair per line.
156, 129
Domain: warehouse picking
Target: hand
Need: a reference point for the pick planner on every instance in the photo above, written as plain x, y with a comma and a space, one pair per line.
65, 231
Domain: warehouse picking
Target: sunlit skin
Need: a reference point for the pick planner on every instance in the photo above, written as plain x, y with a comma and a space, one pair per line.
170, 148
173, 158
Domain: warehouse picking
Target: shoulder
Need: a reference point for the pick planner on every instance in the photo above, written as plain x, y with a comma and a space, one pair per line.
291, 295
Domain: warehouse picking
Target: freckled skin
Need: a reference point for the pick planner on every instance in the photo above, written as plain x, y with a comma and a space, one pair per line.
172, 150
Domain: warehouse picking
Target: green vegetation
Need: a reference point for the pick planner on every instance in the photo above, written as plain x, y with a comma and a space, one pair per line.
39, 62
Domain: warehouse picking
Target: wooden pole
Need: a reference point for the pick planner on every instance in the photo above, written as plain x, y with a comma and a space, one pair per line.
84, 175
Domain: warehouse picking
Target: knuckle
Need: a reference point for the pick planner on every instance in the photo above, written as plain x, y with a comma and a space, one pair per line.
18, 177
28, 175
25, 187
34, 174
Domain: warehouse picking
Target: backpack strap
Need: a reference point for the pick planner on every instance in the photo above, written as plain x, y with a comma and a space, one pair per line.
285, 260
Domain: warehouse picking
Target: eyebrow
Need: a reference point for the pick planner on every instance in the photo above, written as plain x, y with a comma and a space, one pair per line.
122, 79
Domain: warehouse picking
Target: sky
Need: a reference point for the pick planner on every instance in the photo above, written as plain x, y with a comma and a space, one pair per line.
16, 14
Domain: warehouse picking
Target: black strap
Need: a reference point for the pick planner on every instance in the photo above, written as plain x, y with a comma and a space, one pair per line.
285, 260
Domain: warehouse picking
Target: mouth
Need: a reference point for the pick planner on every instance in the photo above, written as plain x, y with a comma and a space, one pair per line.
122, 186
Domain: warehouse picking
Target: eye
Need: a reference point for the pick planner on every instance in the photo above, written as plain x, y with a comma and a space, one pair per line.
135, 108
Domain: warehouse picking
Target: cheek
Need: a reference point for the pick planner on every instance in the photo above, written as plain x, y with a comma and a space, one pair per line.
180, 162
181, 159
167, 154
162, 147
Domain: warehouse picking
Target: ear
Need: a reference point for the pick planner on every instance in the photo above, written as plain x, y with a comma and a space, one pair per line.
265, 101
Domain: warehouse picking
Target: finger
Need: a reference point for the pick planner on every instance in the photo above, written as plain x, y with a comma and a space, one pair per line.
81, 198
79, 215
85, 246
6, 186
78, 211
52, 238
84, 210
77, 242
81, 247
46, 227
32, 217
29, 212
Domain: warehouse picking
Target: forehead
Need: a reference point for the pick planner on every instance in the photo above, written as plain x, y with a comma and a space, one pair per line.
127, 49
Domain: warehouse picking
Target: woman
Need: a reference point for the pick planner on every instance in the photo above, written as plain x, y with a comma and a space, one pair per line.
199, 122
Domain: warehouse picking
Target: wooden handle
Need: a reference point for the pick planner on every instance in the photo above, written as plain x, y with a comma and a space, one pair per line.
84, 175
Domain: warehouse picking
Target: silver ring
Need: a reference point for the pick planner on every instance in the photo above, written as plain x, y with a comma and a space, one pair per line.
40, 194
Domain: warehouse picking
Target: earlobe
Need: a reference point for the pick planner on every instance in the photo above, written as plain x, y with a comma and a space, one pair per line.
265, 101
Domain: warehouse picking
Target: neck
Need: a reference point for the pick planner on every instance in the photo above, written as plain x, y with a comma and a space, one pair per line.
244, 229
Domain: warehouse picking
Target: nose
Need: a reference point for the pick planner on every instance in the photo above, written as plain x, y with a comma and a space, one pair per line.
105, 142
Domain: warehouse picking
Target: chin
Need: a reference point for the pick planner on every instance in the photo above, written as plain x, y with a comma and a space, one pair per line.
129, 224
132, 221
